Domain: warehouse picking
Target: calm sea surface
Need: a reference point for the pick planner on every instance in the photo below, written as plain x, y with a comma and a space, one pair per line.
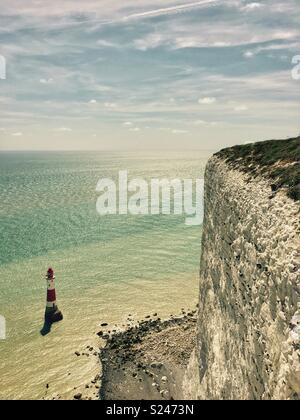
106, 267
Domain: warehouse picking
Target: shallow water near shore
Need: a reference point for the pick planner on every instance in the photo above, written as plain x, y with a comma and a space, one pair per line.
106, 267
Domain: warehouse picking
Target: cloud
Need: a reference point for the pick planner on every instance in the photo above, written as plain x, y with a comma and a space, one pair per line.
128, 59
107, 44
252, 6
205, 123
176, 131
46, 81
17, 134
102, 88
64, 129
110, 105
106, 9
275, 46
200, 122
149, 42
249, 54
173, 9
207, 101
135, 129
241, 108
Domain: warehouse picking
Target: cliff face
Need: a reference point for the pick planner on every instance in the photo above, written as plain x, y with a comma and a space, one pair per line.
248, 342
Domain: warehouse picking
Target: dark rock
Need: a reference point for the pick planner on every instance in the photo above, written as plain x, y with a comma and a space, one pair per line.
274, 187
78, 396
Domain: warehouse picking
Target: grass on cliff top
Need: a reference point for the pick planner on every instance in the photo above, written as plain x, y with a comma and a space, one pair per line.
278, 160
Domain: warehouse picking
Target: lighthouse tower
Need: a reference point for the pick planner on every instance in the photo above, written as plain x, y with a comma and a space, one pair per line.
52, 313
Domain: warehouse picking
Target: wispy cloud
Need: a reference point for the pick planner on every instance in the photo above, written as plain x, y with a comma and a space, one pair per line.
207, 100
46, 81
241, 108
173, 9
253, 6
63, 129
173, 66
177, 131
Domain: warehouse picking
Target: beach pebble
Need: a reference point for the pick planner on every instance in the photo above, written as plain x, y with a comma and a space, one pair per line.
164, 379
104, 324
78, 396
164, 394
156, 365
77, 353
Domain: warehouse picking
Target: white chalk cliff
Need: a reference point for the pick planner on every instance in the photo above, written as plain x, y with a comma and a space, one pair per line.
248, 338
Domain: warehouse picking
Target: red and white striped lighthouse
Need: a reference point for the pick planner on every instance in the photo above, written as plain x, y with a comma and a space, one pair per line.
52, 313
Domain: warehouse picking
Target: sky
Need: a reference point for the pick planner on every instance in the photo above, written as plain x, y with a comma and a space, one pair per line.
140, 74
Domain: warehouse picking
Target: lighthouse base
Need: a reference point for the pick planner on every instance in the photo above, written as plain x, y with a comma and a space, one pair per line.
53, 316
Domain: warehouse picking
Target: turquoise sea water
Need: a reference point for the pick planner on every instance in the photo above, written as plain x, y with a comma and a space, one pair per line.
106, 267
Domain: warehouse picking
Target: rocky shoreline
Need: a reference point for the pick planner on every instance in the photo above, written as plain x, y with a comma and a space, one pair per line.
147, 360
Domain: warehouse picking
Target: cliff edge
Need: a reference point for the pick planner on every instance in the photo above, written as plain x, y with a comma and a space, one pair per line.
248, 333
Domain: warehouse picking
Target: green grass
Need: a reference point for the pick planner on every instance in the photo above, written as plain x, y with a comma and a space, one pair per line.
277, 160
